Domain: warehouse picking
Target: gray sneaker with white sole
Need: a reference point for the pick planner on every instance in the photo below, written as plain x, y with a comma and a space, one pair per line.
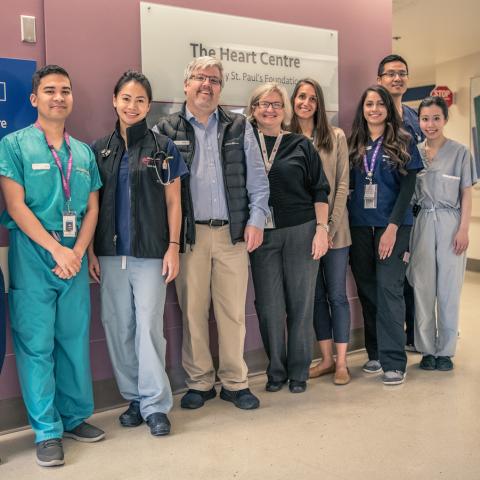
393, 377
85, 433
50, 452
372, 366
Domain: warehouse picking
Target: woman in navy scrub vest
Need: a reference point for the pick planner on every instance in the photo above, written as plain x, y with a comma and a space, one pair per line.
384, 163
135, 252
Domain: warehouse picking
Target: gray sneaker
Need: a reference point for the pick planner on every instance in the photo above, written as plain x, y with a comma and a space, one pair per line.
50, 453
85, 433
393, 377
372, 366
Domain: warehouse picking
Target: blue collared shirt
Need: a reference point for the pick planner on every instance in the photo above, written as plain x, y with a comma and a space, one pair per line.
206, 177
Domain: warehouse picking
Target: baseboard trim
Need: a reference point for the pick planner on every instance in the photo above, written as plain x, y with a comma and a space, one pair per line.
473, 264
13, 416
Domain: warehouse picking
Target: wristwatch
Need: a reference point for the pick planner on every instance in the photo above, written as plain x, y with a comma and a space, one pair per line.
324, 226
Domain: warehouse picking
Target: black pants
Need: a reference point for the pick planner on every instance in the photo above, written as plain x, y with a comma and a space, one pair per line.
284, 276
380, 286
409, 313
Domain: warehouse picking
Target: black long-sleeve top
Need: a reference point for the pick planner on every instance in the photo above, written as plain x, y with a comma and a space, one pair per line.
297, 180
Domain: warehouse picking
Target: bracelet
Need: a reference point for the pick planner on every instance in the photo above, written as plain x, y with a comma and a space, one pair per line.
176, 243
324, 226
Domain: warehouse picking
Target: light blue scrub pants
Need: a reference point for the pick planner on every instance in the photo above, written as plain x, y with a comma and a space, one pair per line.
50, 320
133, 298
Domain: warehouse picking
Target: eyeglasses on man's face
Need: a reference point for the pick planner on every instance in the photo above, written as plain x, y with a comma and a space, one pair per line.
393, 73
203, 78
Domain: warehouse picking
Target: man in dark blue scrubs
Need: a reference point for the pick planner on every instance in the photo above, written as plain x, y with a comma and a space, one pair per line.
393, 75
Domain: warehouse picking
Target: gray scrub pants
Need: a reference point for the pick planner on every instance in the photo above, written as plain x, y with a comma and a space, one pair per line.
133, 297
436, 274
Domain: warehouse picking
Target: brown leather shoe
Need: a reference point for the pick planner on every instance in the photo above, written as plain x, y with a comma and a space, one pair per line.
318, 371
342, 376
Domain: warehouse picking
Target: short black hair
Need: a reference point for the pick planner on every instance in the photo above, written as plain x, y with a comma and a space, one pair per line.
388, 59
438, 101
47, 70
133, 76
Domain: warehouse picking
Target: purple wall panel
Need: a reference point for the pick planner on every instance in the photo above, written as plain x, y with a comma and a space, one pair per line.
103, 40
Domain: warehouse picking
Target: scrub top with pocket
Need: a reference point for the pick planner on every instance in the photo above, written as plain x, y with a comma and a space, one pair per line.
26, 158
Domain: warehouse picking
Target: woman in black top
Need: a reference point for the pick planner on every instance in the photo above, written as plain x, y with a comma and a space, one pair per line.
285, 266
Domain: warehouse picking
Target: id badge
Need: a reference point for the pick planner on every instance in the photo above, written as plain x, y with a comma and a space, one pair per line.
269, 221
370, 197
69, 224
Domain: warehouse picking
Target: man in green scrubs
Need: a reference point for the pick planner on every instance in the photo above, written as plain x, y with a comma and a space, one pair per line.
50, 182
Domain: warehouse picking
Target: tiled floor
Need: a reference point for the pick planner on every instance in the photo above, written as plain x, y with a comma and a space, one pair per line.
428, 429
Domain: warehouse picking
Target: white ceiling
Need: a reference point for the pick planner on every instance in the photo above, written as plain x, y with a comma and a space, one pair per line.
435, 31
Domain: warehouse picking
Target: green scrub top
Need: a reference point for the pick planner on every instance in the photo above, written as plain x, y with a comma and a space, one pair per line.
26, 159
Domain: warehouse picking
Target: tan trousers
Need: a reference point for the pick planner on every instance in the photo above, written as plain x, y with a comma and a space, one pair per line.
214, 270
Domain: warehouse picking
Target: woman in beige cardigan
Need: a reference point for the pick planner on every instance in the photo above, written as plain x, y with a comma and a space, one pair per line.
331, 309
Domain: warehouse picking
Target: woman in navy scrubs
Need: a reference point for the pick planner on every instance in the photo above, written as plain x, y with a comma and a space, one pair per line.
384, 163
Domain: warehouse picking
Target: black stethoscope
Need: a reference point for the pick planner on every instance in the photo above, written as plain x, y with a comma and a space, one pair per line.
149, 162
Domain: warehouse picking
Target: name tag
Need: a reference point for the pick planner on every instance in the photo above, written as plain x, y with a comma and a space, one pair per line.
181, 142
40, 166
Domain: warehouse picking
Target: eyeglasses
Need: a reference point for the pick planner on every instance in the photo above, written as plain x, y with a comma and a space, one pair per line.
264, 105
393, 74
203, 78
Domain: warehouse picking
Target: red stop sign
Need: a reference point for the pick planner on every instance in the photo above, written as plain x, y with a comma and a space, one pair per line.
444, 92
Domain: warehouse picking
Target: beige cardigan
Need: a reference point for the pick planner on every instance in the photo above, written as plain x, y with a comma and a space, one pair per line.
337, 169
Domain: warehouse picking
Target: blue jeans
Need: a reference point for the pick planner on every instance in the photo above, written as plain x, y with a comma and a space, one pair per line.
331, 312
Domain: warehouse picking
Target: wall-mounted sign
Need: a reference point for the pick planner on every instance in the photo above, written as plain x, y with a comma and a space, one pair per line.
444, 92
15, 87
252, 52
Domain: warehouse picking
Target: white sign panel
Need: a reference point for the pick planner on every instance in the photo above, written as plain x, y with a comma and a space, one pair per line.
252, 52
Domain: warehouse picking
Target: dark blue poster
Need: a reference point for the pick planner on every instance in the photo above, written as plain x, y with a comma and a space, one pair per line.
15, 88
15, 112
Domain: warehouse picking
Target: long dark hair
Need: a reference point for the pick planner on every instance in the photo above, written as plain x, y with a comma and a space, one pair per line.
322, 131
395, 140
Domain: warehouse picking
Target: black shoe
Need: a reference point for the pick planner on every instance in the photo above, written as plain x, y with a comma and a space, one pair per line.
131, 417
428, 362
159, 424
196, 398
444, 364
243, 399
297, 386
274, 386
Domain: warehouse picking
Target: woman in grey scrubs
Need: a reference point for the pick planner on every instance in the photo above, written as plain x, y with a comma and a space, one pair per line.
443, 196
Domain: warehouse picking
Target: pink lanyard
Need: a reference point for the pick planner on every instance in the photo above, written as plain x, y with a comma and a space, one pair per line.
65, 180
370, 170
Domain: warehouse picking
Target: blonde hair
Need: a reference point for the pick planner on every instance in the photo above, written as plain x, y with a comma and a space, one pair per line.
200, 63
265, 89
